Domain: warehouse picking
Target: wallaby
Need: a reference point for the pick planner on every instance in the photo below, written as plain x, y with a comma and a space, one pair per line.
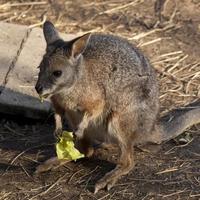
100, 79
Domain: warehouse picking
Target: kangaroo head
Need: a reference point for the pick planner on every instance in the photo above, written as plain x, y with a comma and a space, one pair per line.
62, 62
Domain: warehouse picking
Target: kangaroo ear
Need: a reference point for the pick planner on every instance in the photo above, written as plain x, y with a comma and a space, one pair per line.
50, 32
79, 45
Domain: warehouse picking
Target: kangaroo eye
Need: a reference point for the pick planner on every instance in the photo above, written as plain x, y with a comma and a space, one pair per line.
57, 73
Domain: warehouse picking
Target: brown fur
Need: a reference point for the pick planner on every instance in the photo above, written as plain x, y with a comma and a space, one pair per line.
107, 92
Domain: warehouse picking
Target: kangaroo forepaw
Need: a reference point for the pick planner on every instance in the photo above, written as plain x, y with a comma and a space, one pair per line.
58, 133
79, 133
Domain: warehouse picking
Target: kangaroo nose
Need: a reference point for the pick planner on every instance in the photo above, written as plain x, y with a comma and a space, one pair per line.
38, 88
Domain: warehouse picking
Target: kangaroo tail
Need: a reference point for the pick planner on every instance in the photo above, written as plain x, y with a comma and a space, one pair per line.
166, 130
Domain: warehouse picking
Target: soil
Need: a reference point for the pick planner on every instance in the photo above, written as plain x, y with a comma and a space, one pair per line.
168, 32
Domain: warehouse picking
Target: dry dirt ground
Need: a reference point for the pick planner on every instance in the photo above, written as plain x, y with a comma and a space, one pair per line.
168, 31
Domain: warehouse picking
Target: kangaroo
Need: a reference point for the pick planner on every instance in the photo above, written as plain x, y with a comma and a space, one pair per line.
99, 79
